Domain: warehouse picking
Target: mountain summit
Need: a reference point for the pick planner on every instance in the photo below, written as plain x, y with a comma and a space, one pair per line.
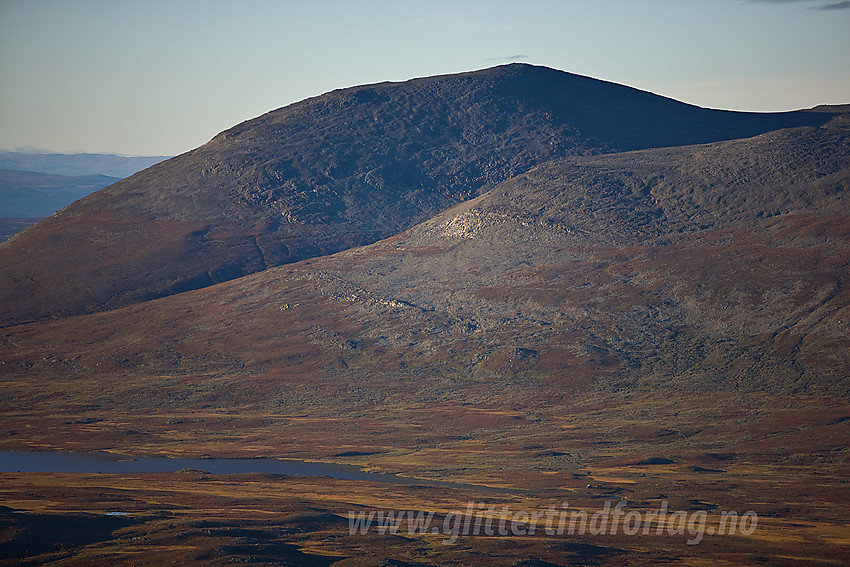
328, 173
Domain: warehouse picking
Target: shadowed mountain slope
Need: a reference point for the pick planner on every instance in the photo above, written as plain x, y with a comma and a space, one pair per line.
343, 169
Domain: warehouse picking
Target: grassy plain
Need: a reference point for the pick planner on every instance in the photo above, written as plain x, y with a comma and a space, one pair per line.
784, 460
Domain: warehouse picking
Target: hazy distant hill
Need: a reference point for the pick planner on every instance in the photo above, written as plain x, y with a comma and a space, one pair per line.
77, 164
34, 185
335, 171
29, 194
12, 226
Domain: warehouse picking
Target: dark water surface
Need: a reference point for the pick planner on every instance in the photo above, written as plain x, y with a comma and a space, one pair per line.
111, 463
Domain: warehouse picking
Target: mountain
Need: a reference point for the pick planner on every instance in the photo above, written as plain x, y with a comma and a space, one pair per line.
719, 266
335, 171
75, 165
26, 194
563, 314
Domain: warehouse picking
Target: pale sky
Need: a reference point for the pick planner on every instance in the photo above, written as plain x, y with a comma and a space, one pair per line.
160, 77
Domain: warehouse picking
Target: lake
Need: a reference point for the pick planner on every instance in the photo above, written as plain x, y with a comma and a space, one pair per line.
111, 463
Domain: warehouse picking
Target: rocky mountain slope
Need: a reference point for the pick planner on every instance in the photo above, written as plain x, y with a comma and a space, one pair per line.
717, 267
335, 171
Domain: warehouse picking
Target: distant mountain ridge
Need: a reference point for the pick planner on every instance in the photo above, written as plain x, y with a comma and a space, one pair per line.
27, 194
36, 184
77, 164
335, 171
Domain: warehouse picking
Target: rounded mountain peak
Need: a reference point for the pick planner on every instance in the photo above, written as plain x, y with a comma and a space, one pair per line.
334, 171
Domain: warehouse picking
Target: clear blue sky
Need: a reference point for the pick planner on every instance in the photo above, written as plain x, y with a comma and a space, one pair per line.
148, 77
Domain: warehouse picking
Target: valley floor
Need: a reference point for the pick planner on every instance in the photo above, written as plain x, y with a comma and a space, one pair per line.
782, 464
